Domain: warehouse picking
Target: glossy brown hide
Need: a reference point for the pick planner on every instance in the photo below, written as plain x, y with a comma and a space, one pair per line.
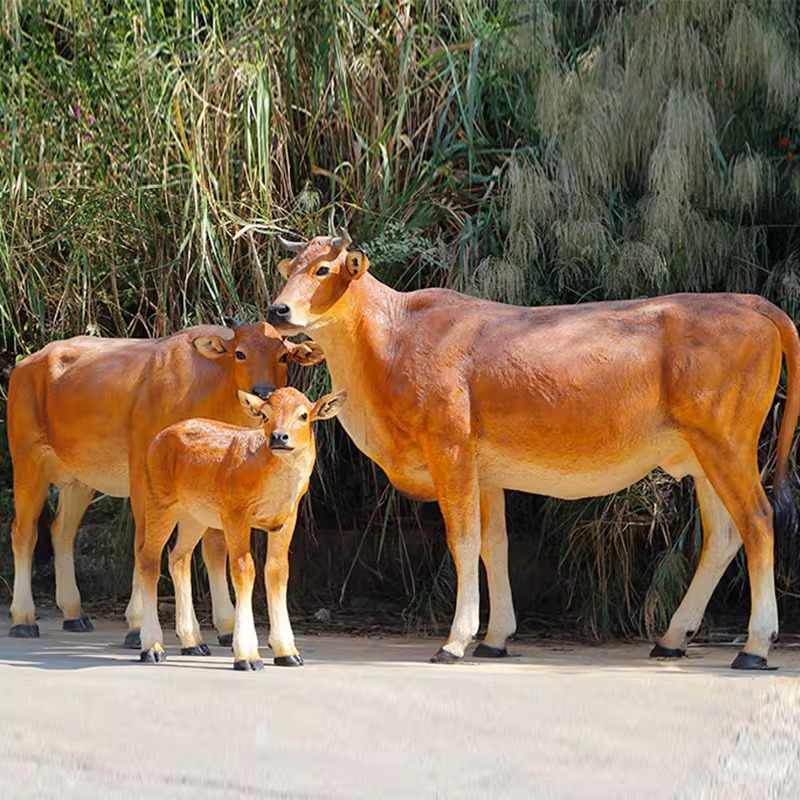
458, 398
82, 412
203, 473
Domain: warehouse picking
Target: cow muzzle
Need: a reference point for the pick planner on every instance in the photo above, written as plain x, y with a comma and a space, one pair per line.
279, 314
263, 391
279, 441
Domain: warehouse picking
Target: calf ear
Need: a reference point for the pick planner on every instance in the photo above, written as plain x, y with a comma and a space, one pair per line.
254, 406
210, 346
355, 265
328, 406
307, 353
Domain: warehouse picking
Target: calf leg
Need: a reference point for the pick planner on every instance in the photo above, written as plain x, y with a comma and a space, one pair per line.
215, 556
721, 542
73, 499
276, 578
180, 567
243, 571
158, 529
30, 493
494, 554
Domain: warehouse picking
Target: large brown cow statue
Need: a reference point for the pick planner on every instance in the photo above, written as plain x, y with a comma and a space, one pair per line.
458, 398
81, 415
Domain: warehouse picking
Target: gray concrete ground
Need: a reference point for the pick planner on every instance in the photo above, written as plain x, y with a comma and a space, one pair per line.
369, 718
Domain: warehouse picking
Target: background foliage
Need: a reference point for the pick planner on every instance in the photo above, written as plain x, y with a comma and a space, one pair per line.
550, 151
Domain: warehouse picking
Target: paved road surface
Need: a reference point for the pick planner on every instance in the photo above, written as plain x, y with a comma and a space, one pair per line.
368, 718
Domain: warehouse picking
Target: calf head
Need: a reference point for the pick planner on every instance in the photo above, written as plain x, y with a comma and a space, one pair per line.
287, 416
317, 279
257, 356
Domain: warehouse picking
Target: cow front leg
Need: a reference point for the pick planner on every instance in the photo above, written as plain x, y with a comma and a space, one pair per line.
494, 554
215, 556
455, 475
180, 567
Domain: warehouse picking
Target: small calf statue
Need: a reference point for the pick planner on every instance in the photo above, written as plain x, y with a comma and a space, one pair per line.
206, 474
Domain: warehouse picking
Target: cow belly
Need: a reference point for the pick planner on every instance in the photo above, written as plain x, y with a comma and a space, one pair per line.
111, 479
604, 472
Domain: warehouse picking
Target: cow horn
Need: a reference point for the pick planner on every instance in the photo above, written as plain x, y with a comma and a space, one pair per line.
292, 247
342, 240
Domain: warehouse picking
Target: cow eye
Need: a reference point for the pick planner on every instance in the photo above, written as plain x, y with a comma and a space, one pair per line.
284, 359
240, 355
304, 416
322, 271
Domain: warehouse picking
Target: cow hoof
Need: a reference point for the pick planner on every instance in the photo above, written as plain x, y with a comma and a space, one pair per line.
487, 651
288, 661
748, 661
155, 655
248, 665
444, 657
133, 640
81, 625
225, 639
24, 631
197, 650
666, 652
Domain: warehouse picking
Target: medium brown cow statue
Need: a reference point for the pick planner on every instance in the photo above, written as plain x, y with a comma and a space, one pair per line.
81, 415
458, 398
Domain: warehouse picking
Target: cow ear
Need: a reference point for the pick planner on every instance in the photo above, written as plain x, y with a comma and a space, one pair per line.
254, 406
355, 265
210, 346
306, 354
285, 267
328, 406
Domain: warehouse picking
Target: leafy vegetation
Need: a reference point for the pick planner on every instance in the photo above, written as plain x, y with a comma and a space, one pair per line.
537, 152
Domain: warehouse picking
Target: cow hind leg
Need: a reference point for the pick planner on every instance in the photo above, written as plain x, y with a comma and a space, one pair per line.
494, 554
721, 542
180, 567
735, 478
30, 493
215, 556
73, 500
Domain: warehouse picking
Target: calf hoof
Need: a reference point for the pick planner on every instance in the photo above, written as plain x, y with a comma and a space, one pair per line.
444, 657
225, 639
248, 665
24, 631
81, 625
749, 661
152, 656
133, 640
197, 650
487, 651
666, 652
288, 661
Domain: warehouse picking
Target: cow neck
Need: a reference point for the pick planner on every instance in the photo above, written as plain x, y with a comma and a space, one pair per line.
358, 345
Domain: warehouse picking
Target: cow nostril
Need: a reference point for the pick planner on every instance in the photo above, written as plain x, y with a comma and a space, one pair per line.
279, 311
264, 391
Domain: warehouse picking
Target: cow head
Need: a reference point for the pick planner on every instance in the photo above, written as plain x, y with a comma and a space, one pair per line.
257, 356
317, 278
287, 416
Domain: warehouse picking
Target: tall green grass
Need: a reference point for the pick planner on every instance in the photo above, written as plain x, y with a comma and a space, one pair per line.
532, 152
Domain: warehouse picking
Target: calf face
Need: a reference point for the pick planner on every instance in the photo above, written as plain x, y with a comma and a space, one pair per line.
287, 416
257, 356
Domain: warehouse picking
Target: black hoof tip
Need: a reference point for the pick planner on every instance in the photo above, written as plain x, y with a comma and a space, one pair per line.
487, 651
248, 665
748, 661
288, 661
24, 631
133, 640
225, 639
444, 657
197, 650
152, 656
666, 652
81, 625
